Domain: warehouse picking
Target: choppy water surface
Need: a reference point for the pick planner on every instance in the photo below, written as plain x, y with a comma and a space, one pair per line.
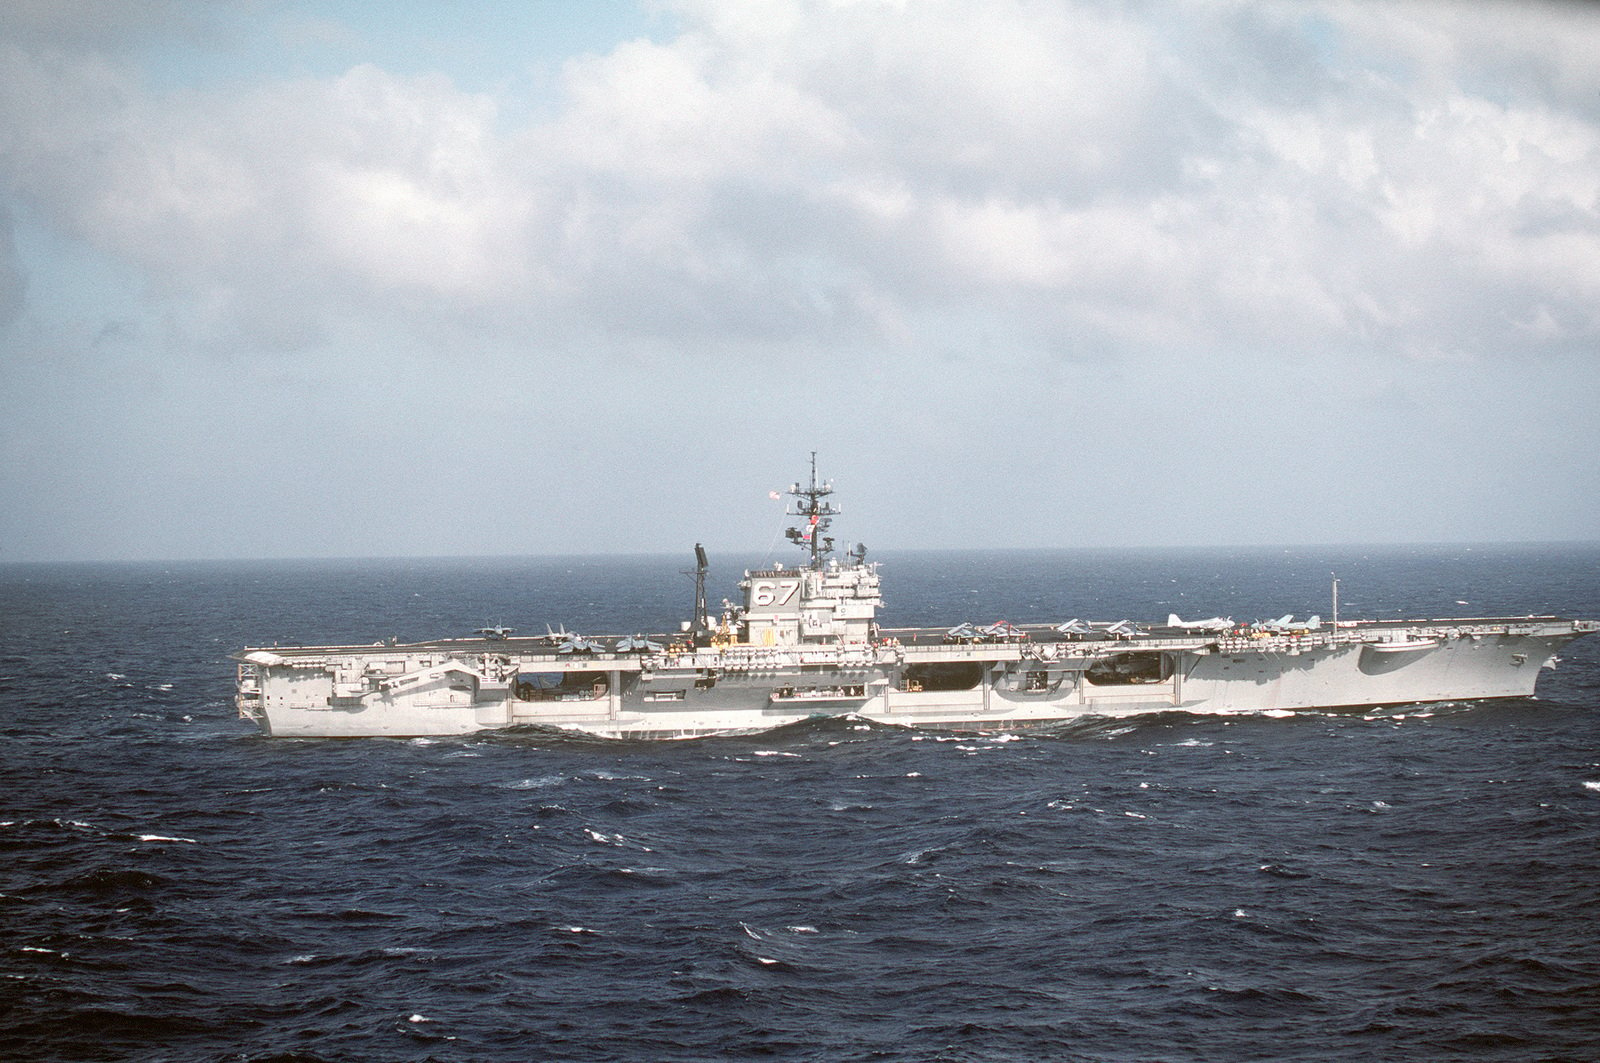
1412, 884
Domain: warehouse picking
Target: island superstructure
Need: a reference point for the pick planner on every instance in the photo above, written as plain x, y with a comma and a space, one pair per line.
805, 643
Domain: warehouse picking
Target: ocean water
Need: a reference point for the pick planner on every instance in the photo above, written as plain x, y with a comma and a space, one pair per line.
1411, 884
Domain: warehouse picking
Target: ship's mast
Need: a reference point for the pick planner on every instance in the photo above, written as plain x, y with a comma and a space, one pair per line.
816, 513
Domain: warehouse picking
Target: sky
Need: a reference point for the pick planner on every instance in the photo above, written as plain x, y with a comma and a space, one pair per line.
299, 278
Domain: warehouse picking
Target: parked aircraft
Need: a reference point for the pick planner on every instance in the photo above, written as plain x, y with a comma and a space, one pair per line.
1122, 628
961, 633
576, 643
637, 644
1287, 625
1215, 623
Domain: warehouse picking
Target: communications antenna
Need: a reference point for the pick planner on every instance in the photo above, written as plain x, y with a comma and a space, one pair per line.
817, 513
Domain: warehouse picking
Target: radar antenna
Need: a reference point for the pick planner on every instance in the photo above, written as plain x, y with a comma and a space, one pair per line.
816, 511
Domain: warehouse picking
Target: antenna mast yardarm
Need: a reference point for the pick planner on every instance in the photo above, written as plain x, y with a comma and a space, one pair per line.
817, 513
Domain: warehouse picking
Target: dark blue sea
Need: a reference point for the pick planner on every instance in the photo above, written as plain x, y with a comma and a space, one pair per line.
1411, 884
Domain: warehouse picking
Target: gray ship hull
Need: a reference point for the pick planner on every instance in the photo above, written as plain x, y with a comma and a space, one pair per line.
462, 686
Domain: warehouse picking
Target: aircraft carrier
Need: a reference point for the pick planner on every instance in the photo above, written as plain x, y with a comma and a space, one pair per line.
805, 643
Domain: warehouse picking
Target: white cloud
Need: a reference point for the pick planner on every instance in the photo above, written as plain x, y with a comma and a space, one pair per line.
923, 152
